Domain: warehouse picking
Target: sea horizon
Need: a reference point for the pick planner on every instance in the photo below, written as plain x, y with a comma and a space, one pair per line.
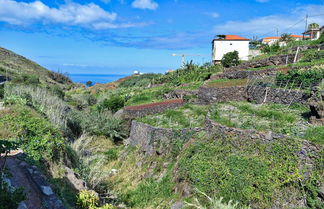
95, 78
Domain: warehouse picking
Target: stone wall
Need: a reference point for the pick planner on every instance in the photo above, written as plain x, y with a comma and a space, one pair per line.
260, 94
215, 128
180, 94
208, 95
242, 74
154, 140
48, 196
153, 108
274, 60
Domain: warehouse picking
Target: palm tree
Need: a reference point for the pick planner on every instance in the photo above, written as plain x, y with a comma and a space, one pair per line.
285, 37
313, 26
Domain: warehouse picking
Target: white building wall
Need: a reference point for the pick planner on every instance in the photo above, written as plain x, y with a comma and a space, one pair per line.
222, 47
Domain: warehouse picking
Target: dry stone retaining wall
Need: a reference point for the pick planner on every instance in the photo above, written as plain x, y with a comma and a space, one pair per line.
274, 60
153, 108
152, 139
261, 94
208, 95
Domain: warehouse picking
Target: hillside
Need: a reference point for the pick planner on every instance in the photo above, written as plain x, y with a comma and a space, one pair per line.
250, 135
20, 68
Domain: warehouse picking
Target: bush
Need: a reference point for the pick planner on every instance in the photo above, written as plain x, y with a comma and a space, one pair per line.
268, 49
315, 134
29, 79
231, 59
312, 55
140, 80
189, 74
301, 78
113, 104
100, 124
90, 200
111, 154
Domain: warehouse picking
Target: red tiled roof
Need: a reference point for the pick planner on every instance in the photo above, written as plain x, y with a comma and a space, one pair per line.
232, 37
271, 37
277, 37
235, 37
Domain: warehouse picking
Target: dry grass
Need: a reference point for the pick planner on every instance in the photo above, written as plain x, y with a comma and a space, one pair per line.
222, 83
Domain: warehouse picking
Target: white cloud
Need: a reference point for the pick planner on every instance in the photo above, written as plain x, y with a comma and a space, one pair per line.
213, 14
72, 14
145, 4
262, 1
289, 23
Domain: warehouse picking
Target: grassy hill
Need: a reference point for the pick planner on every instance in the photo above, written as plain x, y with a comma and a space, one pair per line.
21, 69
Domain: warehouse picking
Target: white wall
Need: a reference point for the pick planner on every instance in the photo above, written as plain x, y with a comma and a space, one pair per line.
222, 47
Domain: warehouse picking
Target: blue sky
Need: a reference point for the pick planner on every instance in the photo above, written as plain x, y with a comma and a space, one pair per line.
120, 36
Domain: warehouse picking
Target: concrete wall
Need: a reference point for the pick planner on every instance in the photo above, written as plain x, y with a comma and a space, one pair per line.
221, 47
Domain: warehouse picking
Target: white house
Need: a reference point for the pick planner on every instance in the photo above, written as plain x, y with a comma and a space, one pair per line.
314, 34
274, 39
230, 43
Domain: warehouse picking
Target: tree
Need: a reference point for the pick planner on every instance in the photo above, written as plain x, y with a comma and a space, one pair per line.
286, 37
89, 83
230, 59
313, 26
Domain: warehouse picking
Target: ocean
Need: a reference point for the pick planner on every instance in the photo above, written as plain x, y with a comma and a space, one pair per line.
95, 78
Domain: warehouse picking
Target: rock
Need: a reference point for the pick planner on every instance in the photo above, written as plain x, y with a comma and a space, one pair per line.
119, 113
178, 205
47, 190
78, 184
22, 205
321, 192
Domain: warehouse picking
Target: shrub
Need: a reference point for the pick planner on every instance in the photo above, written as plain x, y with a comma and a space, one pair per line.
100, 123
89, 200
190, 73
42, 100
315, 134
268, 49
231, 59
250, 175
113, 104
301, 78
29, 79
140, 80
11, 100
312, 55
111, 154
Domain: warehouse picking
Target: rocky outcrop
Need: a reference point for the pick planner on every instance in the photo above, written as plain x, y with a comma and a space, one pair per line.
208, 95
153, 108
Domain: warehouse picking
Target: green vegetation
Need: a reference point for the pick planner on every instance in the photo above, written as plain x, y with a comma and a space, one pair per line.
256, 173
140, 80
22, 70
312, 55
188, 116
303, 78
9, 197
113, 104
267, 117
89, 200
230, 59
227, 83
315, 134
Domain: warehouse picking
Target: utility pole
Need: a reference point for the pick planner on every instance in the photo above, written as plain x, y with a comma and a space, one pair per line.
277, 31
183, 57
306, 18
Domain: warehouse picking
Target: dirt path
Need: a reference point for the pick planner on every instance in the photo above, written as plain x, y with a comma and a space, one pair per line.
20, 178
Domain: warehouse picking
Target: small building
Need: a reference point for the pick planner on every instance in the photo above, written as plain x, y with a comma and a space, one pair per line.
313, 34
274, 39
230, 43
